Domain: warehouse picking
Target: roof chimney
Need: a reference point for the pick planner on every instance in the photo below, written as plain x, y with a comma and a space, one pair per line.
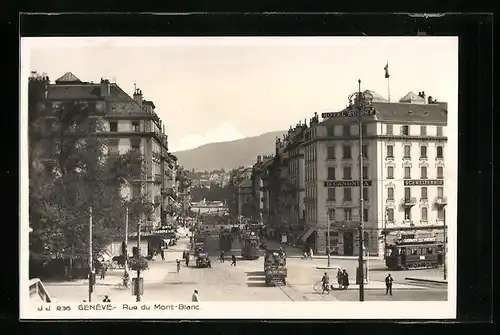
105, 88
429, 100
138, 96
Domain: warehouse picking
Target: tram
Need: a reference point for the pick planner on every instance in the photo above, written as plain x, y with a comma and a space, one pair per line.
414, 253
250, 249
225, 240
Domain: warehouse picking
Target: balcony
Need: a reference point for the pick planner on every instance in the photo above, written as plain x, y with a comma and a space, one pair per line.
408, 222
409, 201
441, 201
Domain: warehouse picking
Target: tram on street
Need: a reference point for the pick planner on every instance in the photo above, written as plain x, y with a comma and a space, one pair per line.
414, 253
250, 248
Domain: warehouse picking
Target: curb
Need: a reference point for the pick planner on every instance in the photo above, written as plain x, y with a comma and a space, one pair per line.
334, 267
427, 280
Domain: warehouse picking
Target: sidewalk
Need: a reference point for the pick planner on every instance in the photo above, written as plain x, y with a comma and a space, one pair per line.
158, 270
428, 279
294, 252
378, 285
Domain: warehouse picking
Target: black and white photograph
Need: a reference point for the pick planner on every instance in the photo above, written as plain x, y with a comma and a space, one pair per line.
238, 177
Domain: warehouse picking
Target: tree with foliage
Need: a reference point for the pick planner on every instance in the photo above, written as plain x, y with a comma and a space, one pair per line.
70, 173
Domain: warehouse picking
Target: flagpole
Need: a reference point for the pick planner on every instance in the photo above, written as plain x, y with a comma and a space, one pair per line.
389, 89
387, 75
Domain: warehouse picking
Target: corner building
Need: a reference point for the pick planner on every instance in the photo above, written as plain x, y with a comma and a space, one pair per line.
404, 172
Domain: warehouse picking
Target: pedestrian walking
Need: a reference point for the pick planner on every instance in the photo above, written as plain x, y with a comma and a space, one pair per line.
222, 256
388, 284
162, 254
310, 253
106, 299
195, 297
345, 280
104, 269
187, 258
340, 278
233, 260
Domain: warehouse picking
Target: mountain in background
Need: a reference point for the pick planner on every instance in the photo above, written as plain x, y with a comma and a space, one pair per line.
229, 155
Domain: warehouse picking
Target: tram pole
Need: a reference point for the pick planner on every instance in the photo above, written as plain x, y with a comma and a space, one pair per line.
444, 247
359, 108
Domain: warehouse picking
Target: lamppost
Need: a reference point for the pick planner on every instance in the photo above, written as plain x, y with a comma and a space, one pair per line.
360, 105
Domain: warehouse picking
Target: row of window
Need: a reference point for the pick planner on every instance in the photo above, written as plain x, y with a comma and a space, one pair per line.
113, 145
348, 214
113, 126
347, 173
407, 192
346, 130
423, 172
404, 130
423, 151
347, 154
347, 194
424, 211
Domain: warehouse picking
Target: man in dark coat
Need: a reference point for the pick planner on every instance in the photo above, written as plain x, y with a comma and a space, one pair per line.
388, 284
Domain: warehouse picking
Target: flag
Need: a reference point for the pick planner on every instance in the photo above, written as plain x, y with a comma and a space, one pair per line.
386, 68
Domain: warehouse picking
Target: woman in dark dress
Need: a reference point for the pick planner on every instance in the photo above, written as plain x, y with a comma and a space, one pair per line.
345, 278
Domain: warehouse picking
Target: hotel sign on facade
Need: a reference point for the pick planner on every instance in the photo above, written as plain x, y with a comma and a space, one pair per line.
346, 183
424, 182
347, 114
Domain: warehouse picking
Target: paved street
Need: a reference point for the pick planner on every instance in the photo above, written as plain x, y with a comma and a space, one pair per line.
245, 282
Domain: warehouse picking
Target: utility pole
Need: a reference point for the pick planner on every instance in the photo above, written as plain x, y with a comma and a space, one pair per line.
91, 272
126, 240
328, 241
138, 295
360, 106
444, 246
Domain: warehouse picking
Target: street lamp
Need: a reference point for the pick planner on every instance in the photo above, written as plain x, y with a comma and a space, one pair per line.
360, 105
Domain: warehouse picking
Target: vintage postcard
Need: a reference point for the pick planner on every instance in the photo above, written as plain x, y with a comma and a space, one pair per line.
259, 178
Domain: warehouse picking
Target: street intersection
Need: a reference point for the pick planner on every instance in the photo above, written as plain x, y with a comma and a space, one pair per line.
245, 281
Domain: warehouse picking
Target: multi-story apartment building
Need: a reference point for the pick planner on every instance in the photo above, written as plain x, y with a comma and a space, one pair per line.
296, 179
404, 170
404, 167
128, 123
260, 190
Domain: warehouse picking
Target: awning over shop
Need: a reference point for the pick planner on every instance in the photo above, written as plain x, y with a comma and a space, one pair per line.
307, 233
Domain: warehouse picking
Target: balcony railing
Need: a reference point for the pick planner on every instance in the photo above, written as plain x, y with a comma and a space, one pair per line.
408, 222
441, 201
409, 201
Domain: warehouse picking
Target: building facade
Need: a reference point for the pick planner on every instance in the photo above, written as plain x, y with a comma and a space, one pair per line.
127, 124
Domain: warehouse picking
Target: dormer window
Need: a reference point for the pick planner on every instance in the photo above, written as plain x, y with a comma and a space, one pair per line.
405, 130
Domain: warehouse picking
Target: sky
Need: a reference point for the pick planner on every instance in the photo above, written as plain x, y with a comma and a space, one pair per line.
220, 89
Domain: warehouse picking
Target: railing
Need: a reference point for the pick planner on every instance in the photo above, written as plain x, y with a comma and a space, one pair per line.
38, 291
408, 222
441, 201
409, 201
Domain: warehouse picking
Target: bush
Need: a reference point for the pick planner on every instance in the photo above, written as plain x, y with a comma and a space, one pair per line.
138, 264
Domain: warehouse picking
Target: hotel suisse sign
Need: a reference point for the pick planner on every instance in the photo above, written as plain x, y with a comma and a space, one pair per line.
346, 183
347, 114
424, 182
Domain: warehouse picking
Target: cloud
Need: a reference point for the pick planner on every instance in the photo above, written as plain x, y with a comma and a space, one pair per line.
224, 132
